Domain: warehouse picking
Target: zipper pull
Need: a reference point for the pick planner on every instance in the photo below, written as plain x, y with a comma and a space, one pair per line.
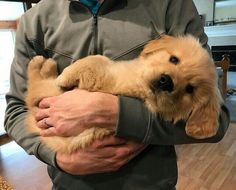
95, 19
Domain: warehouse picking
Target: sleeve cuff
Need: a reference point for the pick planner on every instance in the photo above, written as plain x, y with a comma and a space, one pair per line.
134, 119
46, 155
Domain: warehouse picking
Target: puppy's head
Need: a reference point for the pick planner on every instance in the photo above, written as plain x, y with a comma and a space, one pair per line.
182, 78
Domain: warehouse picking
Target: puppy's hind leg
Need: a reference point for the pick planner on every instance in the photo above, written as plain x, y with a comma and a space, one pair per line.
34, 67
41, 80
49, 69
40, 68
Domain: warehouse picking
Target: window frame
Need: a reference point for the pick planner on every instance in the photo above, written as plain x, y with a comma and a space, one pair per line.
12, 25
214, 15
26, 3
8, 24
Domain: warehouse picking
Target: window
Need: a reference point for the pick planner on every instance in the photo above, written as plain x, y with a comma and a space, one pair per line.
9, 12
225, 11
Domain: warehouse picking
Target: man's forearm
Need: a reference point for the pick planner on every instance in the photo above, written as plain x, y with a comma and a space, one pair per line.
136, 122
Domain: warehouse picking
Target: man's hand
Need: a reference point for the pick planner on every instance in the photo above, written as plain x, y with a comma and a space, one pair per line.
74, 111
106, 155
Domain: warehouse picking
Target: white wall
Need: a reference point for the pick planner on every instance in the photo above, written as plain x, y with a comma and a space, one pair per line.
220, 34
205, 7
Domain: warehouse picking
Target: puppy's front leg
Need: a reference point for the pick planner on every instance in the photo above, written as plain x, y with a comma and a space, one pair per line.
85, 73
203, 123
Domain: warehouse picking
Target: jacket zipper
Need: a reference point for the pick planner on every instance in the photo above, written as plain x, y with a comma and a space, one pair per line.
95, 34
95, 26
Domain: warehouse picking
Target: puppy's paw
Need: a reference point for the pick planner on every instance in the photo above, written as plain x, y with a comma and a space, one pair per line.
49, 69
82, 77
87, 137
67, 79
83, 73
203, 130
42, 68
96, 134
35, 64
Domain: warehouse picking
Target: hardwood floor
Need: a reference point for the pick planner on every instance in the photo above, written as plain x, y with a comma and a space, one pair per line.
208, 166
201, 166
22, 171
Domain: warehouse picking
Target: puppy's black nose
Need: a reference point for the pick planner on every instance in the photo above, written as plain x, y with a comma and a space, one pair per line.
164, 83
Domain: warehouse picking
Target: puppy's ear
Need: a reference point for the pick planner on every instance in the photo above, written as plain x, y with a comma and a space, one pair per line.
155, 45
203, 121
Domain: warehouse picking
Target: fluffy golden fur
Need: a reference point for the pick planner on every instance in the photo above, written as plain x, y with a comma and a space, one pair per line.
188, 93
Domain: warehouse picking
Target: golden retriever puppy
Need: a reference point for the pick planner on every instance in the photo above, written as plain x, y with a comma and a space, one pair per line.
174, 76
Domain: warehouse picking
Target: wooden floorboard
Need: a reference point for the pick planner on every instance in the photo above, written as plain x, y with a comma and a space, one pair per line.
201, 166
208, 166
22, 171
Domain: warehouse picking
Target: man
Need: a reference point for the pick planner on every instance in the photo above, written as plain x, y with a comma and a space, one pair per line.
69, 30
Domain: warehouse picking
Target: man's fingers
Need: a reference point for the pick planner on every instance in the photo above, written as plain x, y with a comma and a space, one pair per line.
41, 114
44, 123
52, 131
45, 103
129, 151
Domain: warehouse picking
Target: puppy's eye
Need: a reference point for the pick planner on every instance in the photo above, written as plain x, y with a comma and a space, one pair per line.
189, 89
174, 59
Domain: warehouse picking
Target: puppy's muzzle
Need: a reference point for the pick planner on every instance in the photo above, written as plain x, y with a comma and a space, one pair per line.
164, 83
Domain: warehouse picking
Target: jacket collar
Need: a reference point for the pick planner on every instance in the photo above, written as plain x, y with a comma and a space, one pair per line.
109, 5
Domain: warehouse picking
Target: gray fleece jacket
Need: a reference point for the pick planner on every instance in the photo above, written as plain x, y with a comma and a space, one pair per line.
66, 31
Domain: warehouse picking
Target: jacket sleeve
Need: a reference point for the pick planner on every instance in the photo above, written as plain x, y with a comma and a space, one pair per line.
16, 109
136, 122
